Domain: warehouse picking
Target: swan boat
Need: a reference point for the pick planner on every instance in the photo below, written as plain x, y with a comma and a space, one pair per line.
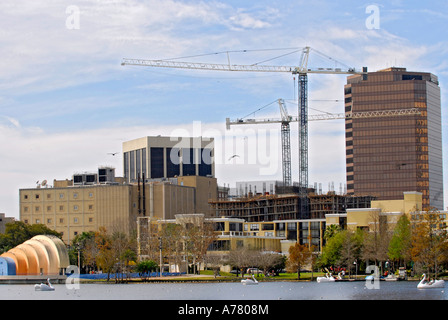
44, 286
327, 278
425, 284
249, 281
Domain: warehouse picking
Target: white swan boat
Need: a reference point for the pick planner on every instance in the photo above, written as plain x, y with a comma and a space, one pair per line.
327, 278
249, 281
425, 284
44, 286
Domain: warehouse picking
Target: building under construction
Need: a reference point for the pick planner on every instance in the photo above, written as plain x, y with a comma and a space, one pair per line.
269, 207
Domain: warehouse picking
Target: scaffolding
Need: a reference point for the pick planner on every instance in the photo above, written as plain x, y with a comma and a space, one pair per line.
288, 206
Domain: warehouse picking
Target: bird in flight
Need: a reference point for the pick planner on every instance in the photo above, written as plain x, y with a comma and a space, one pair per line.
234, 156
113, 153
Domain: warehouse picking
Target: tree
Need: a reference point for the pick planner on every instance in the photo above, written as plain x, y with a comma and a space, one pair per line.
331, 252
171, 235
106, 257
268, 261
351, 246
79, 247
18, 232
429, 246
197, 235
376, 241
144, 267
331, 230
400, 243
242, 258
299, 256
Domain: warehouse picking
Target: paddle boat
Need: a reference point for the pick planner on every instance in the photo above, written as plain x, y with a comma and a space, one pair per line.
425, 284
249, 281
327, 278
44, 286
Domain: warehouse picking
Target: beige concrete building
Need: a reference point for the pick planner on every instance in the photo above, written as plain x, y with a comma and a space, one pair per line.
72, 208
388, 211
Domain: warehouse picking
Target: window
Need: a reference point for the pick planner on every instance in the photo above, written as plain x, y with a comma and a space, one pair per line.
61, 196
37, 196
254, 227
61, 220
25, 196
75, 208
75, 220
48, 220
268, 226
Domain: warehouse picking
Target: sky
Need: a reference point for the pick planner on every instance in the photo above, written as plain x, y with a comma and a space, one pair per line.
67, 103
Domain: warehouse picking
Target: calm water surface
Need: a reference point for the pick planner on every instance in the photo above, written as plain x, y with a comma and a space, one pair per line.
228, 291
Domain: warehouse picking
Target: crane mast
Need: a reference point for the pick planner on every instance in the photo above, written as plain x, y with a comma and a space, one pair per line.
302, 71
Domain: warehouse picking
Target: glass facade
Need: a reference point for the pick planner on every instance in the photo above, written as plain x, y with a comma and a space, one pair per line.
156, 162
391, 155
167, 157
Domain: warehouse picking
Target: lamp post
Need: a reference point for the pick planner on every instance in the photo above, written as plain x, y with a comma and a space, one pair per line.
356, 268
79, 247
160, 249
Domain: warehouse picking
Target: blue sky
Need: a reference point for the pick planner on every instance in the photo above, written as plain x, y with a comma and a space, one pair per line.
66, 102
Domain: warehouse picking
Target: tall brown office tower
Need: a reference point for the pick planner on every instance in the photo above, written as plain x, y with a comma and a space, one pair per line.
387, 156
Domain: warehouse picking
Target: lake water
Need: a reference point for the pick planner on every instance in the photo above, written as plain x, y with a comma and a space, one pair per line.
401, 290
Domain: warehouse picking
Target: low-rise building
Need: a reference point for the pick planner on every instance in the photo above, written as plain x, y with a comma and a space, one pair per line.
3, 221
85, 204
387, 211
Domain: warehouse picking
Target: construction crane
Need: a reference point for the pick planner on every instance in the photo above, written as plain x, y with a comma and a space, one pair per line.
302, 71
286, 119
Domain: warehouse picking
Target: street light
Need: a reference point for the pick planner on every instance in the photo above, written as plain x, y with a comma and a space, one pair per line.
160, 248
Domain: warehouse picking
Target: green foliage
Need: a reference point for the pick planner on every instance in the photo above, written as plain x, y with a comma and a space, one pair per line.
342, 249
18, 232
146, 266
400, 244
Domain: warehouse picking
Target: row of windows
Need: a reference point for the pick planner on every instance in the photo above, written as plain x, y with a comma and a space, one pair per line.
391, 87
407, 180
390, 133
386, 140
382, 185
75, 195
395, 152
50, 208
60, 220
381, 98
